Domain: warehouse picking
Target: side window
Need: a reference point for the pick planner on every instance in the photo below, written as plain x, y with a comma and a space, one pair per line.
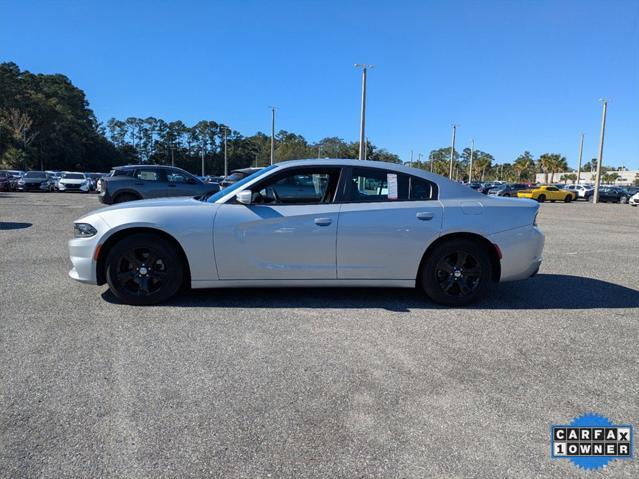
368, 185
421, 189
147, 175
300, 186
176, 176
552, 188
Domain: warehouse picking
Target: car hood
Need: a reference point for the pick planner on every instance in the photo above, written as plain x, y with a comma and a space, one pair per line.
153, 203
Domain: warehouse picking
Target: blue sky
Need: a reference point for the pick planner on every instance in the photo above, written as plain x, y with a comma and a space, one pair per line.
515, 75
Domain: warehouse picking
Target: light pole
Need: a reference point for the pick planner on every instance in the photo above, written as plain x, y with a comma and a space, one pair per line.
362, 124
272, 133
595, 196
319, 152
470, 169
226, 162
452, 152
581, 150
411, 158
202, 161
172, 156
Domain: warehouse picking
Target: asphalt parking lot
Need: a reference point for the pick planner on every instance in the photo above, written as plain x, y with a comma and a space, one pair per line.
312, 383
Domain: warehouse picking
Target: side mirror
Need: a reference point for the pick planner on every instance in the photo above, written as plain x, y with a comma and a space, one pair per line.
245, 197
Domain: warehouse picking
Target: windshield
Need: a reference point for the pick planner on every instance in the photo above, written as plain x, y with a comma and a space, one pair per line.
216, 196
73, 176
35, 174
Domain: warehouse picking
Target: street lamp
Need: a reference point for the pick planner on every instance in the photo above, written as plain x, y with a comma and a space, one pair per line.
595, 196
452, 152
362, 124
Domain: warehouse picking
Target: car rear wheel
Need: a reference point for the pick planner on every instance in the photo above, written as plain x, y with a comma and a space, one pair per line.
541, 198
568, 199
623, 200
456, 273
124, 197
144, 269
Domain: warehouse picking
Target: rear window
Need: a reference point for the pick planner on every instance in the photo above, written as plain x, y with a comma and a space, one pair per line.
122, 172
147, 175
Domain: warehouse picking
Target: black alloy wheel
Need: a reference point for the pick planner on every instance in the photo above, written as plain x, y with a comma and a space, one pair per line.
144, 269
568, 199
541, 198
457, 273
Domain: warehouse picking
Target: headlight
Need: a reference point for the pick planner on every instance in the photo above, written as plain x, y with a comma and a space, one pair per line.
83, 230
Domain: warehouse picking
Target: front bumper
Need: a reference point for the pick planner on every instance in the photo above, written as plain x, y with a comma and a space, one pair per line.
82, 252
521, 250
68, 188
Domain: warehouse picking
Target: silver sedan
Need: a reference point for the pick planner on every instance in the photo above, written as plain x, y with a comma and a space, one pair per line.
313, 223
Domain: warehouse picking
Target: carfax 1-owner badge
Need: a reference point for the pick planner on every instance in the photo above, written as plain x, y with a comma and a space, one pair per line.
591, 441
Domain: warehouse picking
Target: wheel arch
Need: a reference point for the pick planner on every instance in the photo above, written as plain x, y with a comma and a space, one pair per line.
126, 191
491, 248
106, 247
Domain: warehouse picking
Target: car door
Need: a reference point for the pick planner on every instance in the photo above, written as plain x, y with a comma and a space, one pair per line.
285, 233
385, 224
150, 182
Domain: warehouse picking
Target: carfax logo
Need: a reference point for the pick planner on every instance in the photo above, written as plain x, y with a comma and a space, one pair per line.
591, 441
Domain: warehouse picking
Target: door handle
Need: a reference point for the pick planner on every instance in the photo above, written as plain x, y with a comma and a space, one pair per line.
424, 215
323, 221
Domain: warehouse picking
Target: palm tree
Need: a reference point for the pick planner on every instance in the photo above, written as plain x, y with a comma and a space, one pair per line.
523, 164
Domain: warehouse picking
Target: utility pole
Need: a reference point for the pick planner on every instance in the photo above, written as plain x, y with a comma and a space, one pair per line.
470, 169
452, 153
366, 148
411, 158
595, 196
581, 150
362, 124
226, 162
202, 161
172, 157
272, 134
319, 152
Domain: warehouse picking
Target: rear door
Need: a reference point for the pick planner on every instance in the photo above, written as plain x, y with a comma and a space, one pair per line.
386, 222
150, 182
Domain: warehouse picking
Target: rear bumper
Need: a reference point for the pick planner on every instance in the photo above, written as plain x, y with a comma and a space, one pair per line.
521, 250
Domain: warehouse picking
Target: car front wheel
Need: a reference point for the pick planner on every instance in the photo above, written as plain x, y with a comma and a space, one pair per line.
456, 273
623, 200
541, 198
568, 199
144, 269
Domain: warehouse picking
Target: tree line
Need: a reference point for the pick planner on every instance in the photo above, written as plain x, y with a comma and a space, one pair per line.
46, 123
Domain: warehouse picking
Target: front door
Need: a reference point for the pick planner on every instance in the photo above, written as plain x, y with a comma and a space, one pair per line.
288, 232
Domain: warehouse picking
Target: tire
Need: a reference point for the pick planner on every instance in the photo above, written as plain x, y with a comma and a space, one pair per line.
507, 195
623, 200
457, 273
541, 198
568, 199
144, 269
124, 197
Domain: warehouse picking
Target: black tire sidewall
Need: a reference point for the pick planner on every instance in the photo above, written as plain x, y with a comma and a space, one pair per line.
428, 279
160, 246
541, 198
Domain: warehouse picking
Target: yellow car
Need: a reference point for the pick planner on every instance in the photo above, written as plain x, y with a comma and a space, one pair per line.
548, 193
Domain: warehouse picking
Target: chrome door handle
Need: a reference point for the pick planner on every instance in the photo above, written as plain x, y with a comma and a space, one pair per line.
323, 221
424, 216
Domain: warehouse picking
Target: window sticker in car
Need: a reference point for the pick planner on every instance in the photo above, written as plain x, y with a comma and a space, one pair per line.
391, 181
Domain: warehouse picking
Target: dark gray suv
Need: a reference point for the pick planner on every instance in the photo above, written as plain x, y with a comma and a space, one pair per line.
140, 182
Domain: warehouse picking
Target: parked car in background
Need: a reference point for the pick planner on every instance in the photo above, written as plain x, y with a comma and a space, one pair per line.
634, 199
7, 181
94, 178
613, 194
74, 181
583, 191
507, 190
237, 175
547, 193
137, 182
36, 181
352, 223
485, 187
474, 185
